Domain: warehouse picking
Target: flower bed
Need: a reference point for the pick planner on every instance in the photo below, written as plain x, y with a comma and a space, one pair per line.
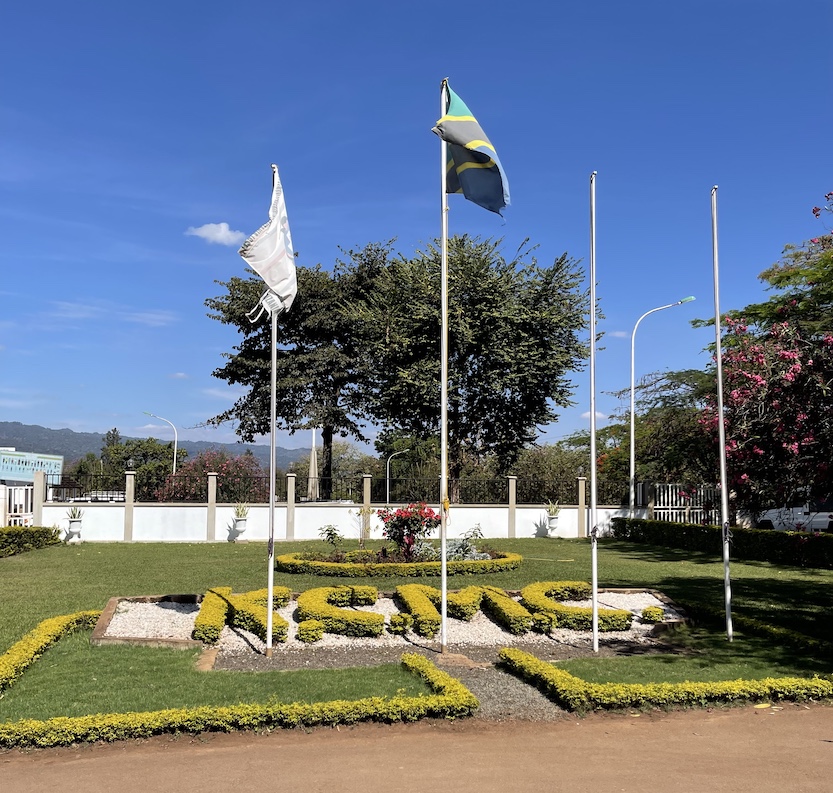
295, 563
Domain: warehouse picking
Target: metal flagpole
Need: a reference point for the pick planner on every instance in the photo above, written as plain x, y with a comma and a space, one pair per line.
594, 541
270, 576
444, 502
721, 429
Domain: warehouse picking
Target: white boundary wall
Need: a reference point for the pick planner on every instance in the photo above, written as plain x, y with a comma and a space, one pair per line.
189, 522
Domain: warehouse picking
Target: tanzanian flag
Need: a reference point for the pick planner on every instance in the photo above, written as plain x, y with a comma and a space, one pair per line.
473, 165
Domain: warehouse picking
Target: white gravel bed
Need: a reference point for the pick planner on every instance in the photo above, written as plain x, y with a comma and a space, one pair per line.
176, 621
161, 620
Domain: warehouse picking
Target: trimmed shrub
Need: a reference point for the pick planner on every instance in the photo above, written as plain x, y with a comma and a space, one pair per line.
575, 694
19, 539
400, 624
420, 602
324, 604
310, 631
292, 563
248, 611
763, 545
505, 611
652, 614
17, 659
212, 616
542, 596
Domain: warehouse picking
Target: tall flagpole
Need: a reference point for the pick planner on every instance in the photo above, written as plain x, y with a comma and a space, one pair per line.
270, 575
594, 540
444, 502
721, 429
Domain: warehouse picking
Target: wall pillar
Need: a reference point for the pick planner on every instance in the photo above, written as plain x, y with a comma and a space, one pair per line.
582, 506
513, 500
129, 501
211, 512
366, 509
38, 495
290, 506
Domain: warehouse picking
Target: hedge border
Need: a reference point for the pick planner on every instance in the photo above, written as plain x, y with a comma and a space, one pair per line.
450, 699
290, 563
19, 539
575, 694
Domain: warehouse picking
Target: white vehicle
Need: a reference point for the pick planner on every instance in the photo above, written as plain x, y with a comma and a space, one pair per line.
810, 516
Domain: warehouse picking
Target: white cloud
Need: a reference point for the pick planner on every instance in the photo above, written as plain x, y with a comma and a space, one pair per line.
217, 234
152, 318
619, 334
178, 376
586, 415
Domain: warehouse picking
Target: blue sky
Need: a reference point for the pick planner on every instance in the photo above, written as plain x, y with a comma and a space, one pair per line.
124, 126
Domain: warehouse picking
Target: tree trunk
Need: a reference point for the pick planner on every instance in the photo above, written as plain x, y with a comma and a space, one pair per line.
326, 481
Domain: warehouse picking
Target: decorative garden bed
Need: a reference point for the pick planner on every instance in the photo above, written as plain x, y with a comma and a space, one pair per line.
296, 563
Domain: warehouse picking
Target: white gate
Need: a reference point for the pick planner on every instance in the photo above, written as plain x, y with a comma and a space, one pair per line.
17, 505
687, 504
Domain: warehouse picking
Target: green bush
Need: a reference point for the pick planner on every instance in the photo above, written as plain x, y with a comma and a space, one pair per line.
794, 548
505, 611
419, 600
17, 659
575, 694
310, 631
293, 563
543, 596
653, 614
212, 616
18, 539
325, 604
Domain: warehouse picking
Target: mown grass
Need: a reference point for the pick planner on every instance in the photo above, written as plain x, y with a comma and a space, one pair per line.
699, 655
64, 579
74, 678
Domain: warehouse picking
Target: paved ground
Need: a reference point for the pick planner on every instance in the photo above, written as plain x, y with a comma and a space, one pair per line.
735, 750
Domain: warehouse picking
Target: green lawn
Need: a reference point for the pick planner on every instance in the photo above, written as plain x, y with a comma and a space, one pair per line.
74, 678
65, 579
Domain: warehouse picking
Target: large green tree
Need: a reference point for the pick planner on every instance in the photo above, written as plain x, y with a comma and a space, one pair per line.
321, 374
515, 334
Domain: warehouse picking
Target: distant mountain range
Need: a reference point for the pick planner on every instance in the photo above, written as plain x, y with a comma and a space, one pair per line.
75, 445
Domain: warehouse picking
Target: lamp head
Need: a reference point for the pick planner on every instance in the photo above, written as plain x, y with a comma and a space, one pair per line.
688, 299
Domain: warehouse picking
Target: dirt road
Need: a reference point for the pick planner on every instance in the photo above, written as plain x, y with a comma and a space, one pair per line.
788, 750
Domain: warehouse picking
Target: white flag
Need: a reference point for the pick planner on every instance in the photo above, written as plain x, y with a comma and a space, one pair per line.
269, 250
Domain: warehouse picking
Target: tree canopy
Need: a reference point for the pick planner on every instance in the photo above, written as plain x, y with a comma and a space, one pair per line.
361, 347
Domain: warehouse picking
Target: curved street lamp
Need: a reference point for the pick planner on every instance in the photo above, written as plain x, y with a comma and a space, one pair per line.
632, 498
172, 427
387, 475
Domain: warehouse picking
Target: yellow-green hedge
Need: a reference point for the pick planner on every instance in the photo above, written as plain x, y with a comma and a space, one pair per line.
419, 601
291, 563
22, 654
451, 699
505, 611
247, 610
324, 604
575, 694
542, 597
212, 615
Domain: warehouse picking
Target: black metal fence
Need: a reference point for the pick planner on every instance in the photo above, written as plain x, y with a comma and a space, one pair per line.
255, 490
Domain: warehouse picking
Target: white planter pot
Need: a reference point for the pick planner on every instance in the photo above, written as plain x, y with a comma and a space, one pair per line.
74, 531
237, 527
552, 523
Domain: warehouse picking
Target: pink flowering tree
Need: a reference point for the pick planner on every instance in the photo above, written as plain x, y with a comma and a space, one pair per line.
778, 406
240, 478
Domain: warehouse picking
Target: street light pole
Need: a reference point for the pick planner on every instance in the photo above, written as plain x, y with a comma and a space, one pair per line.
387, 476
632, 499
172, 427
